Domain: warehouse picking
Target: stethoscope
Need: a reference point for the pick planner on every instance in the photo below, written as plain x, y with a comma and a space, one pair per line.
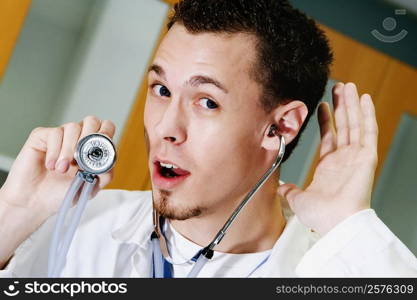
95, 155
162, 268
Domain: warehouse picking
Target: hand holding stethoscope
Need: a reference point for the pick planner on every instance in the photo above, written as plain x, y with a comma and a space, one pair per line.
40, 176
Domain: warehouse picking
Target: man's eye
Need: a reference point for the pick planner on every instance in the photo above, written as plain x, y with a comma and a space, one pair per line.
161, 90
208, 103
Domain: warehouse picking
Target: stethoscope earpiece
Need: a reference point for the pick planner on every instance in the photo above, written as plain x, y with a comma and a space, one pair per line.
272, 130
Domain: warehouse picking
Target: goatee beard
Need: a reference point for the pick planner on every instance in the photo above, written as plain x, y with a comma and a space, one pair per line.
165, 208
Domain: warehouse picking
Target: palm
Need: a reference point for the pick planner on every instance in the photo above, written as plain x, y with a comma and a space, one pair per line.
343, 178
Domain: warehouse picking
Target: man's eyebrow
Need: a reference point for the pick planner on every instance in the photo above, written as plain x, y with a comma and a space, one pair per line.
158, 70
201, 79
194, 81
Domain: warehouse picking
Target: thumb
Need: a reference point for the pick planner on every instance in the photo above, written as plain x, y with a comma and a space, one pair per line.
103, 180
289, 191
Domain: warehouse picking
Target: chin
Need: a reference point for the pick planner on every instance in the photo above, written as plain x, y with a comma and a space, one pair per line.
166, 205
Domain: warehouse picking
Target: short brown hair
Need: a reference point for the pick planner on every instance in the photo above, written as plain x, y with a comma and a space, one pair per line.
294, 56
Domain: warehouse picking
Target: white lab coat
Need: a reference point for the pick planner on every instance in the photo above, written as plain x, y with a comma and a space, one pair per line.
113, 240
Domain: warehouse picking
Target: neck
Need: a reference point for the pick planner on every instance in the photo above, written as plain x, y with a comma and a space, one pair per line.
256, 228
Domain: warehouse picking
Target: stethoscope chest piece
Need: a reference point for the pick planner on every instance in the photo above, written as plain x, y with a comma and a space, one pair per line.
95, 154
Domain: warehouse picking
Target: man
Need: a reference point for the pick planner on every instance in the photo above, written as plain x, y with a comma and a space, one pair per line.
225, 76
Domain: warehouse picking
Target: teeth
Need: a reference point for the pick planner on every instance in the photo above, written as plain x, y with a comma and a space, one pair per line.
169, 166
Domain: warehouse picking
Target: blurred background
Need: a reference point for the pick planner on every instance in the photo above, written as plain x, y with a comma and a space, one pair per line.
61, 60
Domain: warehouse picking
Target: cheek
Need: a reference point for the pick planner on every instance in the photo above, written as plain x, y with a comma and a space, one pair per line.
222, 154
152, 113
148, 112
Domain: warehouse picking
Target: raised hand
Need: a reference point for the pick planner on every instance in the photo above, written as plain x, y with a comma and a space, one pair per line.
343, 180
39, 179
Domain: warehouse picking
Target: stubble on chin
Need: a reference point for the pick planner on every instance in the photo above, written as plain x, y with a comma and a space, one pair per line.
165, 207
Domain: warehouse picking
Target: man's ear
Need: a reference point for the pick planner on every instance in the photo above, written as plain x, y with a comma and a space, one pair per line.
288, 118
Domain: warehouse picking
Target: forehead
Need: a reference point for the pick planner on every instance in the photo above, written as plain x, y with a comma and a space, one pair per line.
225, 55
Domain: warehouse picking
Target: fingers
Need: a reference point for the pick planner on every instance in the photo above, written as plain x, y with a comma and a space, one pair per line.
354, 117
107, 128
289, 191
370, 127
72, 133
327, 131
61, 142
341, 118
354, 113
90, 125
53, 147
103, 180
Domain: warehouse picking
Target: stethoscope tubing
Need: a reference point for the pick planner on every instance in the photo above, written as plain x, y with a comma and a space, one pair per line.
207, 253
58, 250
157, 258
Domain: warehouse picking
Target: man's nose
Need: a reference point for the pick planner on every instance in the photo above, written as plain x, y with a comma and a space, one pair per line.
171, 126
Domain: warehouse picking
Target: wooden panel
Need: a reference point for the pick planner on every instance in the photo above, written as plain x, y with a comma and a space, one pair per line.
12, 16
398, 95
355, 62
131, 170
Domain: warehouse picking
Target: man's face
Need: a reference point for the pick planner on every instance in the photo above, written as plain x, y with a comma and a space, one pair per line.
203, 115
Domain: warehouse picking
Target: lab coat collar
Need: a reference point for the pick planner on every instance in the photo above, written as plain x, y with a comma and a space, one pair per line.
288, 250
294, 241
139, 228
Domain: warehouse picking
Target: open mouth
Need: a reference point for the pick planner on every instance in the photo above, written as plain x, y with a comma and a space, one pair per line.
167, 170
166, 175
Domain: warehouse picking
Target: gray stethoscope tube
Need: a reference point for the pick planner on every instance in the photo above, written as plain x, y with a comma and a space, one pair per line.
207, 252
95, 155
58, 251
